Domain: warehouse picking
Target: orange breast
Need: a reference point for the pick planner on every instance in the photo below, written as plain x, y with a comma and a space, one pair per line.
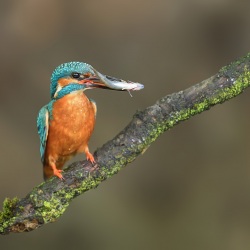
71, 127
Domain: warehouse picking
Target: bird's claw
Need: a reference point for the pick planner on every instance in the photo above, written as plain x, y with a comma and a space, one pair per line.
90, 157
57, 172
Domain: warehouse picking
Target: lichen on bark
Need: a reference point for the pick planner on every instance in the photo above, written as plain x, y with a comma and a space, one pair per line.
48, 201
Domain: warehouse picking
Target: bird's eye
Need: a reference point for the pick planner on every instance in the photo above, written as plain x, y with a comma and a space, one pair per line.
75, 75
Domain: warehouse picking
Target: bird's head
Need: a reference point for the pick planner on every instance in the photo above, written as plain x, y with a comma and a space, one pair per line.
82, 74
71, 73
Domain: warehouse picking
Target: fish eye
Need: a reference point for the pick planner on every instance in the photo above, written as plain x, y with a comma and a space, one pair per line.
75, 75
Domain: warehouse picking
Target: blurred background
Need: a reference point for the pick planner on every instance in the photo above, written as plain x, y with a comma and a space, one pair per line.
191, 189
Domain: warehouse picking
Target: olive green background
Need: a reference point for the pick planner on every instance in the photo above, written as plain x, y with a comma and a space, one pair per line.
191, 189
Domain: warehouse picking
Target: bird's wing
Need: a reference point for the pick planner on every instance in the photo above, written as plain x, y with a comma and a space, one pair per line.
43, 129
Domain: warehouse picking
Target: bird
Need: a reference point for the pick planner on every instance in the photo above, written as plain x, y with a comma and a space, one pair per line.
66, 123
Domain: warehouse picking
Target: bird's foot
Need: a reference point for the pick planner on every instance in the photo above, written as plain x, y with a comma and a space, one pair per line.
90, 157
57, 172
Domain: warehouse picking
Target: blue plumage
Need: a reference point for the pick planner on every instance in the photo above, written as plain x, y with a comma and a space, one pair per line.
66, 123
69, 89
43, 128
65, 70
45, 114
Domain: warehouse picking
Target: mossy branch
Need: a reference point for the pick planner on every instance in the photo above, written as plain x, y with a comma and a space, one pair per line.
48, 201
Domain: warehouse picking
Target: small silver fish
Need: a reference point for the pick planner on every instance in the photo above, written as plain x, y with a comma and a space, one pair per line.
118, 84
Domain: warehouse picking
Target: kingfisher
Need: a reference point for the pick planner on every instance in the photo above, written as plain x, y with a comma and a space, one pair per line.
66, 123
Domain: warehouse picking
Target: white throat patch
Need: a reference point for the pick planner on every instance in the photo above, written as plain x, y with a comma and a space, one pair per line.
58, 88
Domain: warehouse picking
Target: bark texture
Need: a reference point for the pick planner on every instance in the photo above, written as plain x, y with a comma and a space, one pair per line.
48, 201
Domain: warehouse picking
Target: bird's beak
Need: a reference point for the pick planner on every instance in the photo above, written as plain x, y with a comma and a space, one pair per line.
98, 80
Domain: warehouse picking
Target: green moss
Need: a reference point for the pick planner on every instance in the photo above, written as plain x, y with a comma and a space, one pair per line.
242, 82
8, 207
55, 205
232, 66
7, 215
51, 210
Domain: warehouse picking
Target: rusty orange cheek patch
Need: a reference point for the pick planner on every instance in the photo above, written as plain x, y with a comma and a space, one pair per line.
65, 81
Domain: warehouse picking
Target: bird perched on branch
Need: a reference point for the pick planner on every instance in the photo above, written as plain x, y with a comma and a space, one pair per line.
66, 123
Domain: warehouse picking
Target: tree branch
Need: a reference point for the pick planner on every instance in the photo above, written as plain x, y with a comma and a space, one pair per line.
48, 201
